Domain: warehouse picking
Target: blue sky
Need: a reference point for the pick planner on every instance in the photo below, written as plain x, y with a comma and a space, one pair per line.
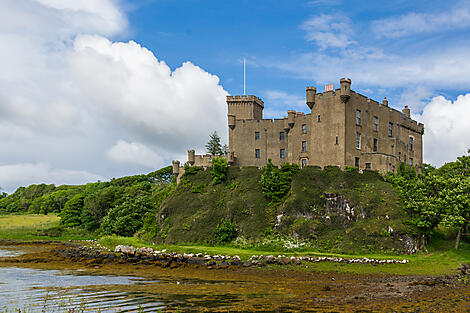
95, 89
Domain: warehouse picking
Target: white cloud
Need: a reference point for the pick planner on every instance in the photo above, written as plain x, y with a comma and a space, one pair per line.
133, 153
414, 23
68, 93
329, 30
446, 129
37, 173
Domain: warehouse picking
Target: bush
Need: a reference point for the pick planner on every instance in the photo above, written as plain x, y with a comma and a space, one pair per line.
225, 232
191, 170
275, 183
219, 170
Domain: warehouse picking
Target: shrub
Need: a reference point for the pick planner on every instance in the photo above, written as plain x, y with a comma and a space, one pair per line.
225, 232
219, 170
70, 215
274, 183
191, 170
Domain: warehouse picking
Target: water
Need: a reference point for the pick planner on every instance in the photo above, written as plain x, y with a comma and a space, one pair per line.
57, 291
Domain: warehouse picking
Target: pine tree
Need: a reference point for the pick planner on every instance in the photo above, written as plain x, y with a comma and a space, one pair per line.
214, 147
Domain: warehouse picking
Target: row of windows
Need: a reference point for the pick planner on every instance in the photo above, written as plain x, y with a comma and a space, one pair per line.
282, 135
375, 123
369, 165
282, 152
376, 143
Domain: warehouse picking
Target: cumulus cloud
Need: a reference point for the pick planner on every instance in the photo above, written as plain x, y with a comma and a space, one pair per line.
133, 153
329, 30
446, 129
68, 93
414, 23
38, 173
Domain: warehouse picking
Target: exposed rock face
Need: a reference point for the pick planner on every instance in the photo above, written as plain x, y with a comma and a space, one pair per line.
144, 251
338, 206
410, 245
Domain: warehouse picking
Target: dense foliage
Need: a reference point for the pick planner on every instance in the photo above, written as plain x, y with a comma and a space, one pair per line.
275, 182
219, 170
115, 207
437, 196
225, 232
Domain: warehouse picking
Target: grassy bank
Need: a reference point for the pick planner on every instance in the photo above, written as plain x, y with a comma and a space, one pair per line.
38, 227
440, 260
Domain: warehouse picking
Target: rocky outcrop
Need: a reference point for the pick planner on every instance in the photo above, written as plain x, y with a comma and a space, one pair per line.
338, 206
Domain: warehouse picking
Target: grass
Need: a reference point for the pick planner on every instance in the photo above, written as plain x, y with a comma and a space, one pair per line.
38, 227
435, 263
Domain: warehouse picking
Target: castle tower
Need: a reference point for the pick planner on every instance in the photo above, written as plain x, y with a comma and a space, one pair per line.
311, 91
345, 92
245, 107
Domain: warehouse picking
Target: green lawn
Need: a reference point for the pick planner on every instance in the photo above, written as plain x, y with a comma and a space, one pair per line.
38, 227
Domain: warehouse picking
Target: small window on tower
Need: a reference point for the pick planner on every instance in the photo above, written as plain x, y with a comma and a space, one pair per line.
411, 161
256, 135
376, 143
358, 141
358, 117
390, 129
368, 166
304, 146
336, 140
356, 162
257, 154
282, 153
411, 143
376, 123
304, 128
319, 117
399, 156
282, 135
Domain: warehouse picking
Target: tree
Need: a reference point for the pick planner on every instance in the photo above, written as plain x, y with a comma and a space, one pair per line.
70, 215
219, 170
213, 146
275, 182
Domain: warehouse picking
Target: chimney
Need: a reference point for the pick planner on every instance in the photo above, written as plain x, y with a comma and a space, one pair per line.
406, 111
385, 102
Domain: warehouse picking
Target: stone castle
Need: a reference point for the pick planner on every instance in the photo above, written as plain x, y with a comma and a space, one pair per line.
344, 128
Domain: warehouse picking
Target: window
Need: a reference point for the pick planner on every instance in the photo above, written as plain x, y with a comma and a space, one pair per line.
368, 166
376, 123
393, 146
282, 153
304, 129
282, 135
390, 129
411, 161
257, 154
304, 163
358, 117
376, 143
393, 168
358, 141
318, 117
304, 146
411, 143
256, 135
399, 156
356, 162
336, 139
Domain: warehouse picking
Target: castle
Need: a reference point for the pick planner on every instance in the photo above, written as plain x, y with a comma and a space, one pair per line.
344, 128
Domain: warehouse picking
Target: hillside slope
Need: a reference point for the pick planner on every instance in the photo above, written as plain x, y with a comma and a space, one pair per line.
334, 210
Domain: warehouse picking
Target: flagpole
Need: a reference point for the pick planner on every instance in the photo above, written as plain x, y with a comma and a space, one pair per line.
244, 76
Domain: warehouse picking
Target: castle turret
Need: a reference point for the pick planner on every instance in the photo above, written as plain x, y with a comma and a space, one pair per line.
245, 107
345, 89
311, 91
191, 157
176, 168
291, 118
231, 121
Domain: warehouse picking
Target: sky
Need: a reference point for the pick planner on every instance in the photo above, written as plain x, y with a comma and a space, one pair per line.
96, 89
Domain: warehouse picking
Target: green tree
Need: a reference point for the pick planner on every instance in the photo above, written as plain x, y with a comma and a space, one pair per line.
275, 182
225, 232
219, 170
70, 215
214, 146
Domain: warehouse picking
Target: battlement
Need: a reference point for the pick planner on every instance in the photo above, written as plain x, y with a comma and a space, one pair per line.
246, 98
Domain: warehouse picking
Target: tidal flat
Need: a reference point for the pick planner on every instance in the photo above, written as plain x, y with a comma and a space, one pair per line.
36, 277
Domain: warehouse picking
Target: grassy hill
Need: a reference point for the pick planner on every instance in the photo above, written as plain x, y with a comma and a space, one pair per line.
328, 210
